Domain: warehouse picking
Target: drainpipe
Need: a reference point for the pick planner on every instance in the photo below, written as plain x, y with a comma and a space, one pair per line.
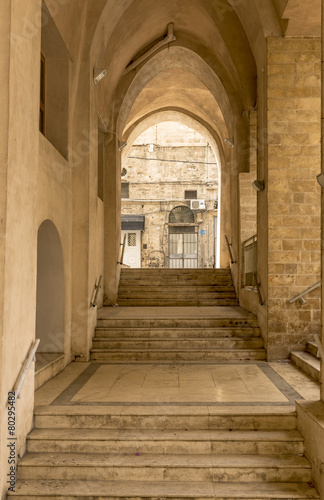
170, 37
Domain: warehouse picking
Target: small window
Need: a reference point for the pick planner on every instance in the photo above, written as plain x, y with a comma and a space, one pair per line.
125, 190
190, 195
42, 96
131, 239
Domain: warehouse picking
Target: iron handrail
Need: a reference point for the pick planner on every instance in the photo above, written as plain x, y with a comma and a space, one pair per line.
93, 302
123, 250
229, 250
257, 284
305, 292
22, 375
319, 346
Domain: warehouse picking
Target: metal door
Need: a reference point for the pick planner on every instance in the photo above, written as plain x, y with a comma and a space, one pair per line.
183, 250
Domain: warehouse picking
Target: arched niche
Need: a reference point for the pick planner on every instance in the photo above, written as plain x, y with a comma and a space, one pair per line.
50, 290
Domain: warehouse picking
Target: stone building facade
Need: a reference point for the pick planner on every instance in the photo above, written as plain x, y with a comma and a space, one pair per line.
171, 178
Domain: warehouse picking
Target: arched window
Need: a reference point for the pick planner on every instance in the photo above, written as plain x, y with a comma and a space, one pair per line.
181, 215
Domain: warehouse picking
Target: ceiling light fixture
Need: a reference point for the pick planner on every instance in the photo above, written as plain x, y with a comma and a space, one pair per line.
258, 185
230, 142
121, 145
98, 75
320, 179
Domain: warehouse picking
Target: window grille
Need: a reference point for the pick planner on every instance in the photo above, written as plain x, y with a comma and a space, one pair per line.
131, 239
191, 195
181, 215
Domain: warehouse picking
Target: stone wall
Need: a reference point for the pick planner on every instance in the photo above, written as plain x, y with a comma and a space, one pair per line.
159, 172
294, 69
248, 196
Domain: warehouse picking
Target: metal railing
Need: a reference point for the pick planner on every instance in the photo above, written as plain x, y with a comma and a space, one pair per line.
122, 250
300, 296
257, 284
93, 302
319, 346
229, 250
250, 261
22, 375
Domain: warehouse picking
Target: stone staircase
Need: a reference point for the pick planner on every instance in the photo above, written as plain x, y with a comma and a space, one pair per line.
308, 360
164, 452
176, 287
189, 336
168, 451
184, 339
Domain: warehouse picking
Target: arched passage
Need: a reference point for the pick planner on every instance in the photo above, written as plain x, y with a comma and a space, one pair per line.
50, 290
182, 117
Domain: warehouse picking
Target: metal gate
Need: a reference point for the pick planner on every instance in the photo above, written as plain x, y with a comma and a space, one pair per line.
183, 250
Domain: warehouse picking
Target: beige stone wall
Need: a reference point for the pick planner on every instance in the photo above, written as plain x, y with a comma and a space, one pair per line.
293, 192
157, 185
248, 196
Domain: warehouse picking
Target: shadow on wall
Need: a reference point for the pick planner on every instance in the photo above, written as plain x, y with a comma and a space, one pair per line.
50, 289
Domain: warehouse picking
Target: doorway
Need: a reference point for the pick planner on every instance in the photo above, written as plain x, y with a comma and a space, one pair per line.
132, 255
183, 248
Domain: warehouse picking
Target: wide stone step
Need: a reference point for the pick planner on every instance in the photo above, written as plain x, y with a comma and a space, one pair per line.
228, 442
131, 490
176, 302
176, 289
152, 467
174, 272
307, 363
195, 282
192, 343
176, 354
170, 333
189, 322
161, 417
192, 293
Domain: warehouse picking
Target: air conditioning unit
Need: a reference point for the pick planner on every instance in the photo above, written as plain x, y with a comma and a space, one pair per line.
197, 204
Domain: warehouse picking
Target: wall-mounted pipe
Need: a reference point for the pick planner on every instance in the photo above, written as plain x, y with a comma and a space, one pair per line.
170, 37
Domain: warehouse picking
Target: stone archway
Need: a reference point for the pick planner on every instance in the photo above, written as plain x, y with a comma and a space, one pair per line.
50, 290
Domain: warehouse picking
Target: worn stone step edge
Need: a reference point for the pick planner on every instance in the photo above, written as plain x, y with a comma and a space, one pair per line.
177, 333
307, 363
188, 294
159, 422
161, 490
163, 460
163, 467
165, 435
159, 323
206, 288
192, 344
